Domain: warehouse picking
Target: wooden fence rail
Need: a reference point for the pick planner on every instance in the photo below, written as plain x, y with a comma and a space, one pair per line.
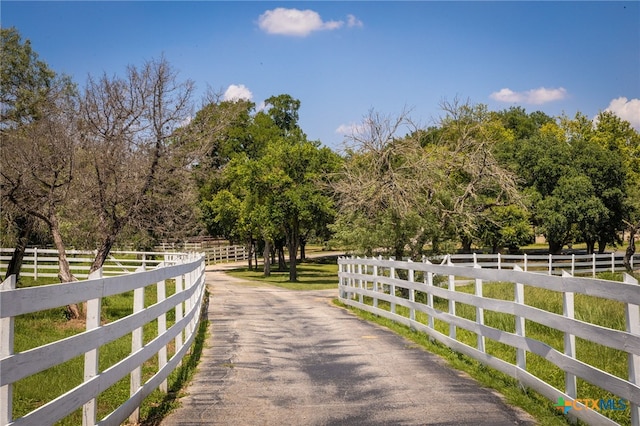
403, 291
185, 304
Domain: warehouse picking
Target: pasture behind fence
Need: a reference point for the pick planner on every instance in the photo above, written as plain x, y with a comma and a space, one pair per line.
168, 344
446, 301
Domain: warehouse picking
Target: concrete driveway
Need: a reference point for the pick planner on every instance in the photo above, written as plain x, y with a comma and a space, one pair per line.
280, 357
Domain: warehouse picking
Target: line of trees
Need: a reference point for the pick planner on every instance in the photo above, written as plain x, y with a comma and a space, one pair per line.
489, 179
129, 159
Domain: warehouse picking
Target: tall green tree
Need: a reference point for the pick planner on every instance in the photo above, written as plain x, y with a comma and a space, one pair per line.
25, 80
549, 155
273, 190
618, 138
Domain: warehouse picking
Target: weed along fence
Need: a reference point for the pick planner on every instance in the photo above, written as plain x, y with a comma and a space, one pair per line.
170, 323
574, 340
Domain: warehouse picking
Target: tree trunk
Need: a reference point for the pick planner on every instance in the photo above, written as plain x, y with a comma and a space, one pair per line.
282, 264
398, 252
466, 243
273, 254
102, 253
555, 247
631, 248
265, 254
591, 246
303, 244
602, 245
64, 271
250, 257
292, 243
25, 226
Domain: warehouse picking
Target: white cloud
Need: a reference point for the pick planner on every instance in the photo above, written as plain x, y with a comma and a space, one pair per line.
352, 21
235, 92
538, 96
507, 95
543, 95
350, 129
626, 109
301, 23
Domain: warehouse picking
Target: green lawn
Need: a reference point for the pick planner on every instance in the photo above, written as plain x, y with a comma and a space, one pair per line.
311, 276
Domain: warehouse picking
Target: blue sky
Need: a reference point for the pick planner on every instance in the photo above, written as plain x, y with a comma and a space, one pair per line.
343, 59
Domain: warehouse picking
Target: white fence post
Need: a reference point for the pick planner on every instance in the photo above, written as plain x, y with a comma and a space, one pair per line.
521, 354
179, 314
568, 310
161, 294
392, 287
6, 349
375, 284
613, 262
593, 263
35, 263
136, 345
360, 296
633, 327
412, 294
428, 280
188, 283
452, 303
479, 310
91, 358
550, 264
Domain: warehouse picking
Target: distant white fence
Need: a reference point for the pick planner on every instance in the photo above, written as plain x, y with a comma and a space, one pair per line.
185, 304
225, 254
552, 264
41, 263
385, 287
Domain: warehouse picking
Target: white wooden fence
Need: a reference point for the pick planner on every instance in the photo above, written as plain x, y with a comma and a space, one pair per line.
225, 254
186, 304
41, 263
575, 264
388, 288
